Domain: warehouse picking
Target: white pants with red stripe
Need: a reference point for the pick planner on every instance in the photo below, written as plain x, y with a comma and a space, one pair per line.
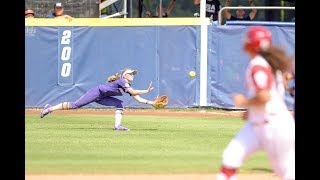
276, 137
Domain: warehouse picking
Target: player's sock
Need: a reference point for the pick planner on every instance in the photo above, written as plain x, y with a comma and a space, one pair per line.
61, 106
118, 117
227, 174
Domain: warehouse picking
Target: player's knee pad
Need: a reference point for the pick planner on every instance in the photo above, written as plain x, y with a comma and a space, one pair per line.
66, 105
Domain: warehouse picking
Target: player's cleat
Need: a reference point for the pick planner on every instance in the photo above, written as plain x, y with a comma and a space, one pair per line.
121, 128
45, 110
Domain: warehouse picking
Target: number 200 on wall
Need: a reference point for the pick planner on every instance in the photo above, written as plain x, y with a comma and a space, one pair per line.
66, 53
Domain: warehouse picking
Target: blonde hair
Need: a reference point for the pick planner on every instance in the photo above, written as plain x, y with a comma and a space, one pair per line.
114, 77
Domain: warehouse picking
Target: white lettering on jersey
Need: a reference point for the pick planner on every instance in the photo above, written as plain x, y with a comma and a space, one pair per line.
210, 8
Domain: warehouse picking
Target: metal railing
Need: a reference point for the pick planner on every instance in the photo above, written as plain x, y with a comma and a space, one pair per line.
252, 7
108, 3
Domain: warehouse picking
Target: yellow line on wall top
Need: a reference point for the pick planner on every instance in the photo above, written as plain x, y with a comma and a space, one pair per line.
117, 22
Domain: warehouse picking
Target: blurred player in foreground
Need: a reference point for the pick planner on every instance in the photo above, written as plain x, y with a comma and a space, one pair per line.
116, 85
269, 124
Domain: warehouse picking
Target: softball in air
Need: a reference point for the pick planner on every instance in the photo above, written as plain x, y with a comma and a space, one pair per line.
192, 74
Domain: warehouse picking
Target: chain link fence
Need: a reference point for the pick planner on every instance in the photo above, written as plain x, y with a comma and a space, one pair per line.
74, 8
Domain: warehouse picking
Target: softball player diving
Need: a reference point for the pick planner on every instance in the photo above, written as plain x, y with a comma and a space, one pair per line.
269, 124
116, 85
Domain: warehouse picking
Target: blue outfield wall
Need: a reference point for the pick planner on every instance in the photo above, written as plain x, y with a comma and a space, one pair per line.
227, 61
63, 62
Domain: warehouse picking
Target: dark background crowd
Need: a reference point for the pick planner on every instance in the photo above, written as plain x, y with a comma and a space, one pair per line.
148, 8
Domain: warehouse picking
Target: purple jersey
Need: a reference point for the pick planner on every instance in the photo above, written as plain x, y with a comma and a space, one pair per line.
102, 94
115, 88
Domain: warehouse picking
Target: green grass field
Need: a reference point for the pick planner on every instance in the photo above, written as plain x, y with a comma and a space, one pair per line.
66, 144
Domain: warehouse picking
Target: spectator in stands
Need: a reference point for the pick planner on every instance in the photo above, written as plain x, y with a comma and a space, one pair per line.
58, 12
240, 12
28, 13
212, 8
164, 12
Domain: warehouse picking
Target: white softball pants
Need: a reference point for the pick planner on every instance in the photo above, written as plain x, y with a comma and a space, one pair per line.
277, 138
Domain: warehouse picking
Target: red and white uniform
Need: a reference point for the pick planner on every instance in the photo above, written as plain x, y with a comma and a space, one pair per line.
259, 76
270, 127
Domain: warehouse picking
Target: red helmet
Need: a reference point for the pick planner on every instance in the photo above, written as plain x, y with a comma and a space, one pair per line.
258, 38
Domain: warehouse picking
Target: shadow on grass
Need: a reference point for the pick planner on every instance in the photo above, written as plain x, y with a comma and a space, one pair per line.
261, 170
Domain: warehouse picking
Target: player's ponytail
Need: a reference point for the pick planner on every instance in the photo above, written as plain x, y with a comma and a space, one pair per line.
277, 59
113, 77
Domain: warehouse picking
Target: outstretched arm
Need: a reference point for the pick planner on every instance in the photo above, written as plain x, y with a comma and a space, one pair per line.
254, 11
134, 92
170, 7
141, 100
226, 12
